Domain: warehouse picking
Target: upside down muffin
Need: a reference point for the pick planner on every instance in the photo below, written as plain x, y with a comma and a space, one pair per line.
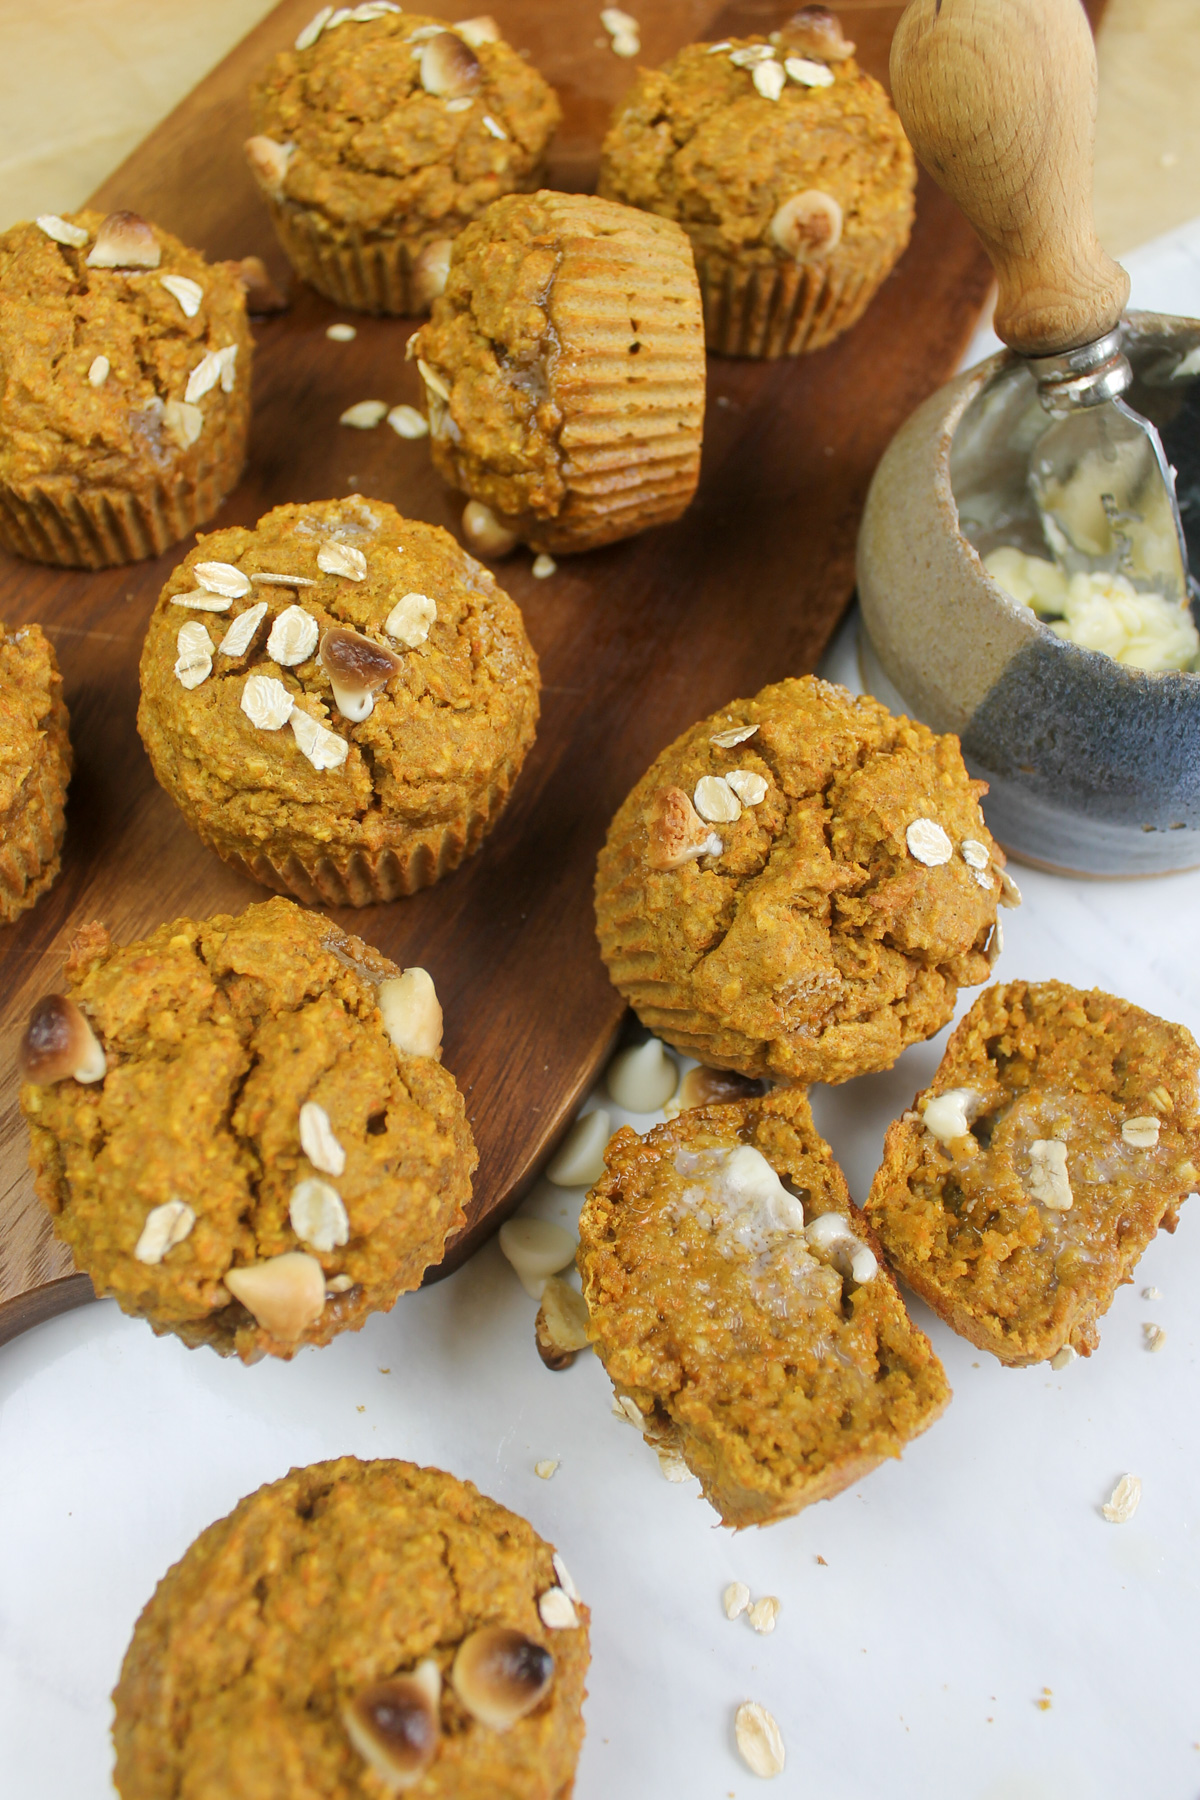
1059, 1133
338, 700
788, 169
799, 885
35, 767
242, 1128
380, 135
351, 1630
735, 1297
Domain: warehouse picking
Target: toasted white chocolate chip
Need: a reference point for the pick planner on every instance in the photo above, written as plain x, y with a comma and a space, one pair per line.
341, 333
268, 163
189, 293
809, 223
407, 422
561, 1328
266, 702
759, 1740
165, 1226
314, 28
285, 1294
449, 67
125, 241
806, 73
318, 1214
1155, 1336
241, 633
364, 415
769, 79
1049, 1182
751, 789
395, 1725
59, 1044
579, 1160
484, 532
736, 734
948, 1116
490, 124
536, 1248
293, 637
182, 423
194, 661
928, 843
715, 800
671, 1463
433, 380
1141, 1133
832, 1233
342, 559
99, 370
735, 1599
1010, 893
564, 1577
545, 1469
410, 619
431, 268
1063, 1358
642, 1078
317, 1140
1123, 1503
412, 1014
764, 1614
974, 854
61, 230
556, 1610
324, 749
222, 578
199, 601
543, 566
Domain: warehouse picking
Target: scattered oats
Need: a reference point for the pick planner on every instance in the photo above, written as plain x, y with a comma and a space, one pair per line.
671, 1463
546, 1469
1122, 1505
324, 749
1151, 1293
62, 231
204, 377
625, 1408
564, 1577
974, 854
318, 1141
543, 565
341, 333
751, 54
433, 380
928, 843
1160, 1100
1155, 1336
341, 1284
983, 879
342, 559
1062, 1359
199, 601
410, 619
228, 361
314, 28
735, 1599
189, 293
240, 636
165, 1226
736, 734
615, 21
182, 423
1049, 1182
293, 637
769, 79
318, 1215
750, 788
715, 800
270, 579
1141, 1133
759, 1740
222, 578
266, 702
764, 1614
99, 371
364, 415
194, 662
491, 125
1010, 893
407, 422
557, 1610
995, 945
480, 30
806, 73
626, 43
725, 44
464, 103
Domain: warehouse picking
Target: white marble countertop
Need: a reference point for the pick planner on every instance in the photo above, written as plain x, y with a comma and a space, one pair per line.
927, 1614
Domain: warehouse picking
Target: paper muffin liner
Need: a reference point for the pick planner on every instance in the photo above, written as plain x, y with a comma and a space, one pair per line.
31, 836
371, 276
783, 308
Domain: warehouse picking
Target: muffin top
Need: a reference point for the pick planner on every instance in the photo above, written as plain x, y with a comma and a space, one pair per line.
243, 1128
29, 684
289, 1630
123, 354
765, 148
401, 123
379, 682
798, 883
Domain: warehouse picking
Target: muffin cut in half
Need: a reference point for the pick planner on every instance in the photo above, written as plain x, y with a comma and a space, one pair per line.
354, 1630
124, 388
1058, 1134
380, 135
35, 767
788, 169
799, 885
564, 370
242, 1128
735, 1298
338, 700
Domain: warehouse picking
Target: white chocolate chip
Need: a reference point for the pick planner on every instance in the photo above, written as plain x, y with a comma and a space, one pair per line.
189, 293
808, 223
1141, 1133
241, 633
341, 1284
285, 1294
561, 1327
579, 1160
537, 1249
342, 559
557, 1610
806, 73
1155, 1336
204, 377
99, 371
832, 1234
543, 566
1122, 1505
491, 125
928, 843
764, 1614
759, 1740
194, 662
433, 380
484, 532
364, 415
293, 637
974, 854
1063, 1358
61, 230
222, 578
769, 79
165, 1226
545, 1469
318, 1215
948, 1116
266, 702
199, 601
411, 1012
410, 619
750, 788
407, 422
1049, 1182
735, 1599
715, 800
341, 333
324, 749
317, 1140
182, 423
642, 1078
736, 734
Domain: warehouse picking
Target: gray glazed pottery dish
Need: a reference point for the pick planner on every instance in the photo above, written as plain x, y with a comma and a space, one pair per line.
1093, 766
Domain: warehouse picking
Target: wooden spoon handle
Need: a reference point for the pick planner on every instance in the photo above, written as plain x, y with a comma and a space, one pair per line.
999, 100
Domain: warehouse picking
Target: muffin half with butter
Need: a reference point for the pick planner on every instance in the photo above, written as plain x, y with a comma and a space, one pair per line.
338, 700
124, 388
242, 1127
380, 135
788, 169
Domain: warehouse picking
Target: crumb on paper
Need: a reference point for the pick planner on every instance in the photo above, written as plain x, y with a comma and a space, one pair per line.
1124, 1501
1155, 1336
546, 1467
822, 1562
360, 1409
384, 1371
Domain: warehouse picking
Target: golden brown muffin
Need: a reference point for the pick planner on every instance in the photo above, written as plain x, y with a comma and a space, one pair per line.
350, 1630
799, 885
1058, 1134
736, 1299
380, 135
339, 700
124, 388
564, 370
35, 767
787, 168
242, 1127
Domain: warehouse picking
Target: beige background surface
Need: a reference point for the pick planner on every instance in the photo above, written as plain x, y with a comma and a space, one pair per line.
83, 81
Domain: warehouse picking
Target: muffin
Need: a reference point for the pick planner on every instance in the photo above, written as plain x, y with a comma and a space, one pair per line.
787, 168
380, 135
564, 370
351, 1630
242, 1128
799, 885
1058, 1134
737, 1302
403, 676
124, 388
35, 767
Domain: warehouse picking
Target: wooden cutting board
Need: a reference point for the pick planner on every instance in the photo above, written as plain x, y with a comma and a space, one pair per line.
635, 641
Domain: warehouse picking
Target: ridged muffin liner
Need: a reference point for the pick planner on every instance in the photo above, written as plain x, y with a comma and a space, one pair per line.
32, 833
371, 276
783, 308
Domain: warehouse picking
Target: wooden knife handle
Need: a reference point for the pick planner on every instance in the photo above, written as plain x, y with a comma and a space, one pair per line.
999, 100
